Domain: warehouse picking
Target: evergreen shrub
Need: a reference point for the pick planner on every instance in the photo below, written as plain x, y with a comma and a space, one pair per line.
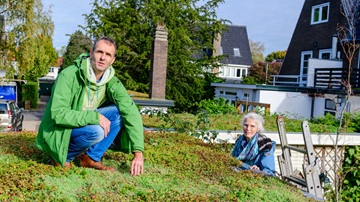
30, 92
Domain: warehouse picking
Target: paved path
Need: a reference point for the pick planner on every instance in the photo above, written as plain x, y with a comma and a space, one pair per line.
32, 117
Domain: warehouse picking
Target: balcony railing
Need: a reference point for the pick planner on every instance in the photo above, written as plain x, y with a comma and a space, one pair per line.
291, 80
330, 78
333, 78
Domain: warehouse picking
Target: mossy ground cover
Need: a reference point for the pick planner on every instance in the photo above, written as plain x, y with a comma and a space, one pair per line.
178, 167
232, 122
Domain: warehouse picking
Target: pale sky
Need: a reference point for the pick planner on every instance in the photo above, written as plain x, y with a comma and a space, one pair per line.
268, 22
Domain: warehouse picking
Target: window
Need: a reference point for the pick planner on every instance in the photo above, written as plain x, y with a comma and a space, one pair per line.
325, 54
230, 93
226, 72
3, 109
330, 104
237, 52
244, 72
305, 56
320, 13
330, 107
238, 73
233, 72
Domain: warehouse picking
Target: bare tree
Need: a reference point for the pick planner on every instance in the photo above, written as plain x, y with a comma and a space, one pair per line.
347, 38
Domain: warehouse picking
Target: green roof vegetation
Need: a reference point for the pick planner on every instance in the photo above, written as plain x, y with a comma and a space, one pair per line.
178, 167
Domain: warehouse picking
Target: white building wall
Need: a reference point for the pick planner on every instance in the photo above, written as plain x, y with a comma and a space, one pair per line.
53, 72
297, 104
292, 103
354, 104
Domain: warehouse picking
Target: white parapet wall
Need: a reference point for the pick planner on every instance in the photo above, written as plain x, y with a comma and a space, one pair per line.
323, 146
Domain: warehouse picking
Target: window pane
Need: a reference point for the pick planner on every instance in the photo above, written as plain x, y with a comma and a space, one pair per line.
325, 56
330, 104
305, 64
227, 71
244, 72
3, 109
232, 72
238, 73
324, 13
237, 52
316, 14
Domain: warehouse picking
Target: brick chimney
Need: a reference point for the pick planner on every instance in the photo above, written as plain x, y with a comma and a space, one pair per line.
217, 51
159, 63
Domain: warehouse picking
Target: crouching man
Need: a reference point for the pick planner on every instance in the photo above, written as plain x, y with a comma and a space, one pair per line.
87, 108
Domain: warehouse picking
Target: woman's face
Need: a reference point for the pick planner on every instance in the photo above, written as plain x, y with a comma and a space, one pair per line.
250, 128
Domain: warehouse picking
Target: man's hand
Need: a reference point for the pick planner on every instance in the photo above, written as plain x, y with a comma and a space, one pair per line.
105, 124
254, 168
137, 164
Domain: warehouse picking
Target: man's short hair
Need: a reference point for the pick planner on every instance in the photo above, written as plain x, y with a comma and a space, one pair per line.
108, 39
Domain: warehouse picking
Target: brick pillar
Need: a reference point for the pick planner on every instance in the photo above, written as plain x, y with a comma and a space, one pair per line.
216, 52
159, 63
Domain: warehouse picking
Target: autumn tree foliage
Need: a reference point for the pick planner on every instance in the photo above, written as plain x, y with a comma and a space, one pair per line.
260, 73
257, 49
27, 40
276, 56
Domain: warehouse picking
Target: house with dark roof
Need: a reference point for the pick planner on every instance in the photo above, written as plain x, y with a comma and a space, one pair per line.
233, 43
315, 57
311, 77
314, 37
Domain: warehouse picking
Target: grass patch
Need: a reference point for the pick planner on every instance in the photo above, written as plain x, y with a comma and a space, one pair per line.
177, 168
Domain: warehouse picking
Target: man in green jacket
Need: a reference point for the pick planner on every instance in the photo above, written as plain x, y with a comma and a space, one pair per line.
87, 108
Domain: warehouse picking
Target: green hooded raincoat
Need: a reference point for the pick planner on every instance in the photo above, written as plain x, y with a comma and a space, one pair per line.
64, 112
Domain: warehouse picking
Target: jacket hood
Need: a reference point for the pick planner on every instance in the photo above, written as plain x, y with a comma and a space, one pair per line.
83, 63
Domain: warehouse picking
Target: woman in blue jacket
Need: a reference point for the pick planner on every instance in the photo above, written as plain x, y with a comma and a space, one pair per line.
255, 150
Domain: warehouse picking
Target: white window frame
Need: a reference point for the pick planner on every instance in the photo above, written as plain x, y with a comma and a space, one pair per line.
303, 77
324, 51
330, 107
231, 71
237, 52
320, 8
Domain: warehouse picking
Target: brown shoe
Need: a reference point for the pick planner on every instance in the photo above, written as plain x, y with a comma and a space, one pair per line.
56, 164
87, 162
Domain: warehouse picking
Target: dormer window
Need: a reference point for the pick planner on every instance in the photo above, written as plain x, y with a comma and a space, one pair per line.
237, 52
320, 13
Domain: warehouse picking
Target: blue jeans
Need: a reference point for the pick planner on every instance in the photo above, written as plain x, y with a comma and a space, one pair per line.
91, 137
